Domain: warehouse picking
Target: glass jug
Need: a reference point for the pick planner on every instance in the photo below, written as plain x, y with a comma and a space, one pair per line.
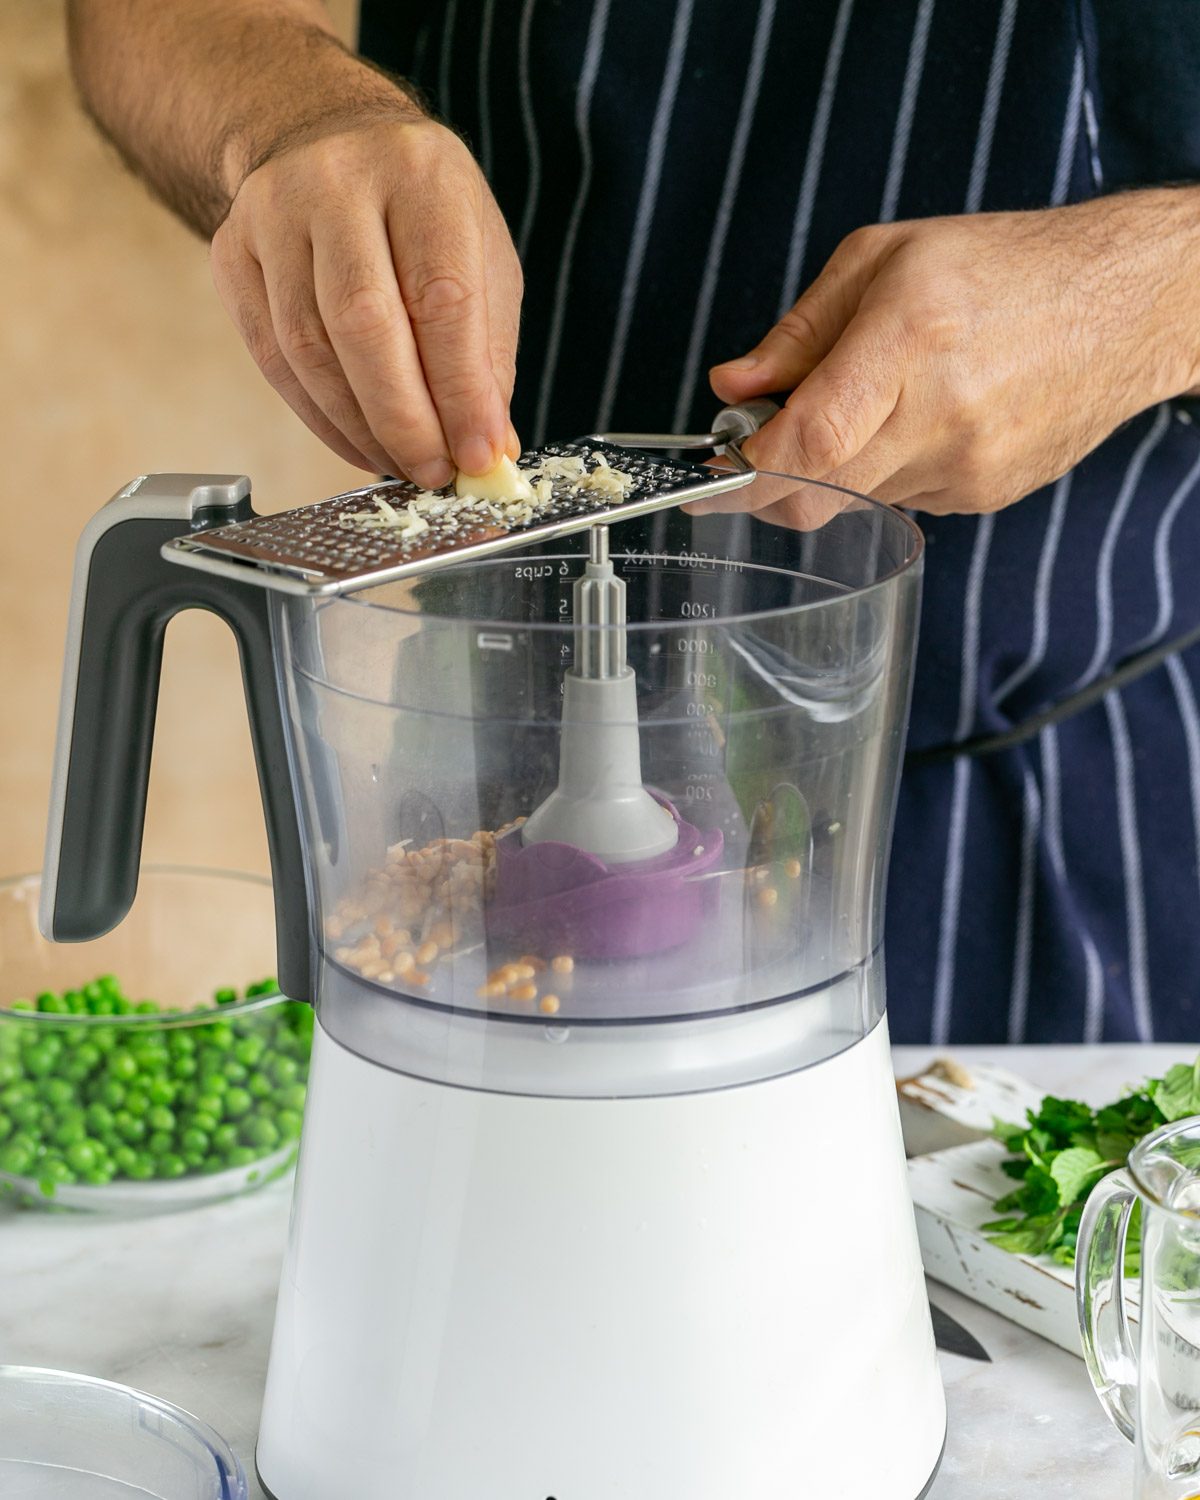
1145, 1361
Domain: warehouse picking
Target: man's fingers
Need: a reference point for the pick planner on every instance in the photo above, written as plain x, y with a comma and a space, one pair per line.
243, 293
838, 409
505, 292
359, 304
287, 268
444, 282
811, 327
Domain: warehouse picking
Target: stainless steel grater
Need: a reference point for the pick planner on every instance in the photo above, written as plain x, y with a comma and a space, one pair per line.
313, 550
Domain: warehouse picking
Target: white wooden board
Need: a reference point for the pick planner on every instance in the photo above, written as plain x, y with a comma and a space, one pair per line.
948, 1105
953, 1193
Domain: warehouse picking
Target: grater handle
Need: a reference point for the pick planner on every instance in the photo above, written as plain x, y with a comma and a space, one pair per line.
731, 426
123, 596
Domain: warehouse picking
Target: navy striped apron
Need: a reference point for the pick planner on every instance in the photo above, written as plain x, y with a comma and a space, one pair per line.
674, 173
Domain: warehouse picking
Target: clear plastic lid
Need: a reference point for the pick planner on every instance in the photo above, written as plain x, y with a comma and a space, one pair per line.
70, 1437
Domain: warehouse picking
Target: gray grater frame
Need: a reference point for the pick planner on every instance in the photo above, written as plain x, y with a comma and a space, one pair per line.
307, 551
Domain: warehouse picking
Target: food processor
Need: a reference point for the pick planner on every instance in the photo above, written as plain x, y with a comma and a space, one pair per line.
579, 825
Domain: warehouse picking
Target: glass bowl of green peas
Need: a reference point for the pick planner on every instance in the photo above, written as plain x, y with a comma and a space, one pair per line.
157, 1067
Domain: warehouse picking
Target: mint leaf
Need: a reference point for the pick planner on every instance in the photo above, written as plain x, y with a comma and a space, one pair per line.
1178, 1094
1071, 1169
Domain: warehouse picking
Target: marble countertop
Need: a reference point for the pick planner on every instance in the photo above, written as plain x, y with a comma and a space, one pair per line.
182, 1306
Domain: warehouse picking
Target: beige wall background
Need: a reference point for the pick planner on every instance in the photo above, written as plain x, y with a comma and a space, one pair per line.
116, 359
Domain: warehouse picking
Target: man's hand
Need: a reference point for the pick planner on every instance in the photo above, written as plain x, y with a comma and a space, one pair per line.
958, 364
374, 281
355, 243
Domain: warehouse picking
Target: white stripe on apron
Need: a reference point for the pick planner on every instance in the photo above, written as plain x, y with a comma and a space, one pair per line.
1018, 1004
1093, 1023
583, 109
716, 244
913, 71
1185, 698
1162, 559
485, 86
529, 126
647, 202
814, 159
1041, 599
1131, 863
1070, 136
1108, 547
972, 607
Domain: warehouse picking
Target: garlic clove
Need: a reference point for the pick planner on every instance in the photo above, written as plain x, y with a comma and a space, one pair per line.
505, 482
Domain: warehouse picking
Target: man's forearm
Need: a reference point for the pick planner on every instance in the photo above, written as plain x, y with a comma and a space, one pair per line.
196, 93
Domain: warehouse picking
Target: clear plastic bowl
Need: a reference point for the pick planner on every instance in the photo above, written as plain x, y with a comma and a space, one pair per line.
228, 1081
69, 1437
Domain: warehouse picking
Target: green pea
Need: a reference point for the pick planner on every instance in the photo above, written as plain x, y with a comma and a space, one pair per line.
225, 1138
53, 1170
240, 1156
214, 1083
98, 1176
160, 1141
171, 1166
142, 1168
162, 1091
219, 1036
202, 1120
10, 1071
129, 1127
236, 1072
21, 1005
260, 1086
112, 1093
99, 1118
122, 1066
51, 1004
211, 1104
184, 1066
159, 1117
293, 1097
6, 1127
15, 1094
58, 1091
17, 1158
84, 1155
29, 1115
40, 1060
237, 1102
289, 1123
91, 1050
285, 1070
260, 1132
225, 996
146, 1008
124, 1158
70, 1130
249, 1050
194, 1141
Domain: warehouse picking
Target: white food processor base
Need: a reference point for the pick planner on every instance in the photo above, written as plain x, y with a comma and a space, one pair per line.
696, 1297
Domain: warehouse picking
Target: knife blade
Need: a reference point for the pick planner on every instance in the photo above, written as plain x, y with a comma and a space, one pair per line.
951, 1337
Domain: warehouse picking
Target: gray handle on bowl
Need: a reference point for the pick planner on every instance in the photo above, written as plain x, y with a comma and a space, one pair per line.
123, 596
